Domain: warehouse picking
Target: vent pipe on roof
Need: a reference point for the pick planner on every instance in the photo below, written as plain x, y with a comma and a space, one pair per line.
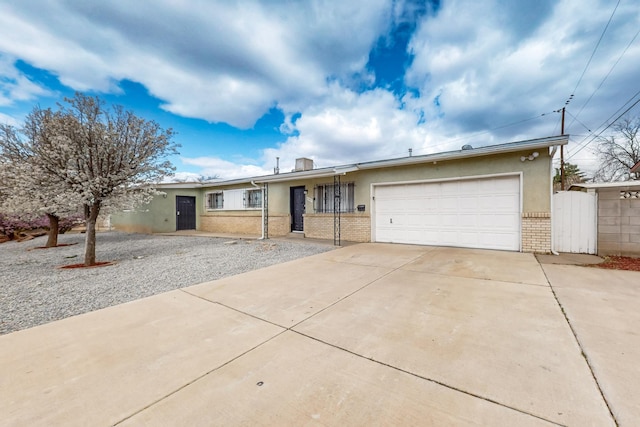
410, 152
276, 170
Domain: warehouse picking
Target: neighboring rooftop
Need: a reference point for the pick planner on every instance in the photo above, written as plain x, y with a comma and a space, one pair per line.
598, 185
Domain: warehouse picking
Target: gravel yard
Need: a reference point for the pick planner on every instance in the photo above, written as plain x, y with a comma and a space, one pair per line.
33, 290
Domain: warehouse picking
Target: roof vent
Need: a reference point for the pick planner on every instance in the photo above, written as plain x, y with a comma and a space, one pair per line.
303, 164
467, 147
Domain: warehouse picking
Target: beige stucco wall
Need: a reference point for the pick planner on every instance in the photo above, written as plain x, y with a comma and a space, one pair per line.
536, 176
158, 216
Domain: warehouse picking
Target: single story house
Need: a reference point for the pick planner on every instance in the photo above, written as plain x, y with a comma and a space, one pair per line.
617, 216
494, 197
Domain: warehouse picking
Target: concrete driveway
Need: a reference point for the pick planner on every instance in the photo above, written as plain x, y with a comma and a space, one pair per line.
370, 334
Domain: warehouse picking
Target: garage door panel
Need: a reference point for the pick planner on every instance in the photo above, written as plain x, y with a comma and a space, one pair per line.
431, 220
502, 241
449, 237
481, 213
468, 221
449, 204
448, 220
502, 202
468, 239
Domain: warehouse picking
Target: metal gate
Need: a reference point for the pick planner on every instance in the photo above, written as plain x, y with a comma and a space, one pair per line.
575, 222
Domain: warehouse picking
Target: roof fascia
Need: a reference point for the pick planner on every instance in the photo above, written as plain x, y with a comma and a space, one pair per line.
450, 155
474, 152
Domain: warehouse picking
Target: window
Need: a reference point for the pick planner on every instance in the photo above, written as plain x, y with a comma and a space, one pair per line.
325, 197
215, 200
253, 199
236, 199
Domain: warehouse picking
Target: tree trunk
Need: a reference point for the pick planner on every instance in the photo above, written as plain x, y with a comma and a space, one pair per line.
90, 238
52, 239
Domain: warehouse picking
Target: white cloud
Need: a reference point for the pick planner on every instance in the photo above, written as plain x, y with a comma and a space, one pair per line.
485, 71
183, 177
223, 61
8, 120
15, 86
350, 127
223, 169
478, 66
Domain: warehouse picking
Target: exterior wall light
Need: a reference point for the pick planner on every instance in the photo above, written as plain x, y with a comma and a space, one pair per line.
531, 157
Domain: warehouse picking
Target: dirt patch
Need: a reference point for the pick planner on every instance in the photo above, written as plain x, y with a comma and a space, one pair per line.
51, 247
97, 264
619, 263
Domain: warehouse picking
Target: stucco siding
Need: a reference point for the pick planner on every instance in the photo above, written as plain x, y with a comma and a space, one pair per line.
536, 176
158, 216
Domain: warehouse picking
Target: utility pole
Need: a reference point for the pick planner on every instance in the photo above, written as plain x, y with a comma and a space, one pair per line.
562, 154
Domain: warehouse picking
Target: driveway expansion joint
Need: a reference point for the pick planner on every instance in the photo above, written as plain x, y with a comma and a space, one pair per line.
291, 329
196, 379
431, 380
473, 278
582, 350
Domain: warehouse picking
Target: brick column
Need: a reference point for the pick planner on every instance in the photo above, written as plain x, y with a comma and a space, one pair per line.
536, 232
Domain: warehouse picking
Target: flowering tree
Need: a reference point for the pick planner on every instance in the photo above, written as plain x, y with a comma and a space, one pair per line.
105, 157
27, 194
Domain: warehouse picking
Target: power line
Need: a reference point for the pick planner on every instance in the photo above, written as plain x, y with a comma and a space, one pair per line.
576, 119
593, 53
585, 142
476, 134
594, 137
606, 77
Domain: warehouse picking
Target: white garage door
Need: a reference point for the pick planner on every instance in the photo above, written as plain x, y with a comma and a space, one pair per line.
477, 213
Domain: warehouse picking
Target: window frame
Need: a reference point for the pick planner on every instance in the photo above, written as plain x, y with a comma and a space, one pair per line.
251, 201
324, 197
212, 195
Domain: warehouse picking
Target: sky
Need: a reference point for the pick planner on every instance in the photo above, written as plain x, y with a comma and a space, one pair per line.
245, 82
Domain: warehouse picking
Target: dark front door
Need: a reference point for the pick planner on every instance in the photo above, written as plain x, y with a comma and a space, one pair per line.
297, 208
185, 213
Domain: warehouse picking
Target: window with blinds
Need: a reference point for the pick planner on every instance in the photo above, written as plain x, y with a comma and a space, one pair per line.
329, 195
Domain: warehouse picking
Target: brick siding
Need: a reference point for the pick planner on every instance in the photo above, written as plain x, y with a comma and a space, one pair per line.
244, 224
536, 232
354, 227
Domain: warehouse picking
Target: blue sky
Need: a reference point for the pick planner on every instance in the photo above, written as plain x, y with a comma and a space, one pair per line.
244, 82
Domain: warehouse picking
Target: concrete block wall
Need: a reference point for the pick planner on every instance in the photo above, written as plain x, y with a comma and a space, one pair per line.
618, 222
354, 227
536, 232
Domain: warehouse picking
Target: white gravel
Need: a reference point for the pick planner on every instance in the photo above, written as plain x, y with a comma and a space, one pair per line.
34, 290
